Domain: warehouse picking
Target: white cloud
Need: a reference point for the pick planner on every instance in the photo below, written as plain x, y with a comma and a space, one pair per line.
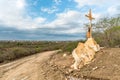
20, 3
13, 14
97, 2
66, 19
53, 8
71, 31
50, 10
97, 16
113, 10
101, 8
57, 2
70, 21
39, 20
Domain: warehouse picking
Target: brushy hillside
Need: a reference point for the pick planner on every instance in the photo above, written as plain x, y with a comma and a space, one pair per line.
11, 50
107, 32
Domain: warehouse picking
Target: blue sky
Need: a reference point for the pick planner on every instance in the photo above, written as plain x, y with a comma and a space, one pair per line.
50, 19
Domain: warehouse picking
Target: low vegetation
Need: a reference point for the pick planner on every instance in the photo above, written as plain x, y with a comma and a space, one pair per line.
11, 50
107, 32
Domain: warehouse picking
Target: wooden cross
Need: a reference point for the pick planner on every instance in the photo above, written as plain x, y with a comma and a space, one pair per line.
89, 15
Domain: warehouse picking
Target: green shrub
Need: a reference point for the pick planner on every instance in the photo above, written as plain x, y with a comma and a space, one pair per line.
14, 50
109, 38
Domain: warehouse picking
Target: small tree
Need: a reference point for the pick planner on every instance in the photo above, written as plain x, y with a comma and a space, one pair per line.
107, 31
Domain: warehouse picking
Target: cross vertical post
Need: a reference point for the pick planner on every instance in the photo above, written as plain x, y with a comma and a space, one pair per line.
89, 15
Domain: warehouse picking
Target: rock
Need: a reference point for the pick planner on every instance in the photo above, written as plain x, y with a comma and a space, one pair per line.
66, 78
66, 72
77, 75
43, 73
64, 55
74, 74
115, 65
64, 67
55, 65
95, 68
81, 76
103, 67
70, 70
51, 62
102, 47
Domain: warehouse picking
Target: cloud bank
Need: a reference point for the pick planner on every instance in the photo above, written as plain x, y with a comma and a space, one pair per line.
67, 20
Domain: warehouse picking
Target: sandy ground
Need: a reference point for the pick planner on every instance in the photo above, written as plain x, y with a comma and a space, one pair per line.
53, 66
29, 68
105, 66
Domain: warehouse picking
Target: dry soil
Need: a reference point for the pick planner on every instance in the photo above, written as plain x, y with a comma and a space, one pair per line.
51, 65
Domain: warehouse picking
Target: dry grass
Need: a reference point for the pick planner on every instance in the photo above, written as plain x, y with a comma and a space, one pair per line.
11, 50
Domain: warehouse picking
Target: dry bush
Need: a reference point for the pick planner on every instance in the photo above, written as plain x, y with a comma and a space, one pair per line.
107, 32
14, 50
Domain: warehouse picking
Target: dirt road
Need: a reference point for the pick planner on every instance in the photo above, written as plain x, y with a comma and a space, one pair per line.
44, 66
29, 68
